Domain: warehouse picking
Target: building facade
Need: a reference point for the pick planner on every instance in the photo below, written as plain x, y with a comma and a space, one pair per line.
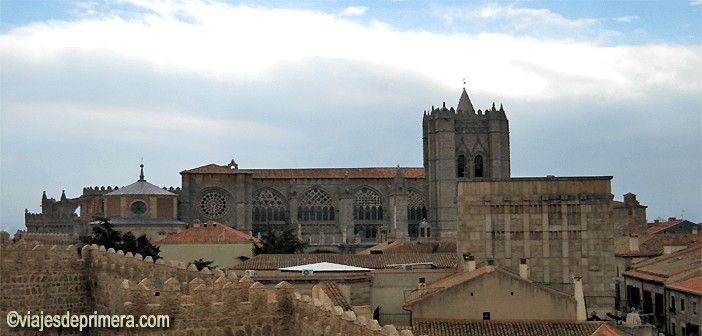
463, 192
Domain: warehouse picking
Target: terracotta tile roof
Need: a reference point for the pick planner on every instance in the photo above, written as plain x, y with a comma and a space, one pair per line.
652, 244
456, 279
660, 268
276, 261
312, 173
210, 232
608, 330
657, 227
504, 328
335, 295
692, 285
408, 246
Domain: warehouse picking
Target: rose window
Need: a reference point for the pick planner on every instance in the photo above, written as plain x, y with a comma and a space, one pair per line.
213, 204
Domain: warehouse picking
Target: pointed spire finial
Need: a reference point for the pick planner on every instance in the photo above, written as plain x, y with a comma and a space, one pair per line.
464, 103
141, 175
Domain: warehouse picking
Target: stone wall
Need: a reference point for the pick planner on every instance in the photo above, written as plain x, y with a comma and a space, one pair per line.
562, 225
41, 278
204, 302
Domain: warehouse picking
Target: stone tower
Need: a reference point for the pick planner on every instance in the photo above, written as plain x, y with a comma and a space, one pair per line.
461, 144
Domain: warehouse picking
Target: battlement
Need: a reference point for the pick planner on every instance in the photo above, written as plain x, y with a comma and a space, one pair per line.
491, 113
207, 301
175, 190
92, 191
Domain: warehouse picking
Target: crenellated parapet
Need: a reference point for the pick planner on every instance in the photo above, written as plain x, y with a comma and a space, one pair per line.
98, 190
93, 278
175, 190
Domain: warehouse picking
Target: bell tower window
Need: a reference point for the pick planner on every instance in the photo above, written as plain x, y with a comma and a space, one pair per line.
478, 166
461, 166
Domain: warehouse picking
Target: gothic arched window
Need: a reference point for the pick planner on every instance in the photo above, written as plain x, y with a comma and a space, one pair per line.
268, 206
315, 205
416, 212
461, 166
478, 166
367, 205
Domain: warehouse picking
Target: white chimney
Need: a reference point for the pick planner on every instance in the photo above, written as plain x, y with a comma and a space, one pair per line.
580, 313
524, 269
469, 262
634, 243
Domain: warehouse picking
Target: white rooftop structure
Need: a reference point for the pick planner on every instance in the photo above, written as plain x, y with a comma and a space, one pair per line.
325, 267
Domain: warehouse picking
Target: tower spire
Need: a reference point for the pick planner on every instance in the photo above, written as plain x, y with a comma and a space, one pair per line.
141, 175
464, 103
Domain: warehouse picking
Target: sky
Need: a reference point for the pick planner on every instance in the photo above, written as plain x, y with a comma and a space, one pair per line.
88, 89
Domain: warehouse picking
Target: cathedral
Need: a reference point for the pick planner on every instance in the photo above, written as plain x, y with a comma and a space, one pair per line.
464, 192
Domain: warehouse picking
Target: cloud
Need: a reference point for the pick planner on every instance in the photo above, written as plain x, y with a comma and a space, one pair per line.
528, 17
354, 11
519, 21
226, 42
696, 3
185, 84
627, 18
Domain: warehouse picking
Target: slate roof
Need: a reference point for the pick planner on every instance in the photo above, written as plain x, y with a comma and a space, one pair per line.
140, 187
312, 173
144, 221
408, 246
276, 261
505, 328
210, 232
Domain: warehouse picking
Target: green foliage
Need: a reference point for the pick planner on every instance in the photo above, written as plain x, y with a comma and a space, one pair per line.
200, 264
104, 234
285, 242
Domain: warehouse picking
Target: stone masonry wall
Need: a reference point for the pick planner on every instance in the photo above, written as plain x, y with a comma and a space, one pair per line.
198, 302
41, 278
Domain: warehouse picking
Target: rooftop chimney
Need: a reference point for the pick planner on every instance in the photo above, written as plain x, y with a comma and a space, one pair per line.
580, 314
634, 243
421, 283
469, 262
524, 269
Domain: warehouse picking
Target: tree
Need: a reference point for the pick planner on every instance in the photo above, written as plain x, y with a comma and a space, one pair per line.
104, 234
284, 242
200, 264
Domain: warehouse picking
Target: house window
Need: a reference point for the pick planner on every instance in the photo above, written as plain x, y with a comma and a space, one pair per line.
682, 305
694, 307
486, 316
